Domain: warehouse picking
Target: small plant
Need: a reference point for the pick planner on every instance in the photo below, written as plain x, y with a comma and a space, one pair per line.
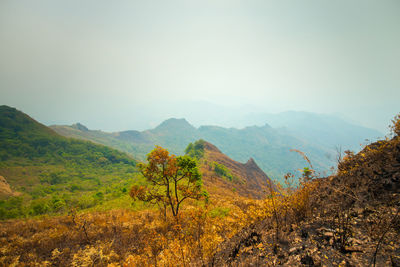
195, 150
220, 212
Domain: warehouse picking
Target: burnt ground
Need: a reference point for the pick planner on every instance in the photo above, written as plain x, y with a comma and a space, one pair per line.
352, 220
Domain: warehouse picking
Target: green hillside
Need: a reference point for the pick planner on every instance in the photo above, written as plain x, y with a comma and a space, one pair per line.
124, 141
52, 174
268, 147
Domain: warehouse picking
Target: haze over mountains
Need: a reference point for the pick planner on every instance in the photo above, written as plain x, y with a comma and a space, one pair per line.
196, 133
319, 136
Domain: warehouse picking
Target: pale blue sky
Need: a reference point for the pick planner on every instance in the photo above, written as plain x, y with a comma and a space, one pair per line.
117, 65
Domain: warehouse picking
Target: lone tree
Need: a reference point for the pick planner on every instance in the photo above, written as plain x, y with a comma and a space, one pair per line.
172, 180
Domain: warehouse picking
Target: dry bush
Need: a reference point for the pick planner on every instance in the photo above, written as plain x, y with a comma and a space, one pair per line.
98, 237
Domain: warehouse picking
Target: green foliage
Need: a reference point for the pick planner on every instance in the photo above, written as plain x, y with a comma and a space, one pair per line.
86, 201
11, 208
195, 150
99, 196
39, 207
74, 187
58, 204
223, 171
220, 212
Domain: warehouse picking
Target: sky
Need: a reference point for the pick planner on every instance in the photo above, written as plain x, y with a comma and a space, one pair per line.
119, 65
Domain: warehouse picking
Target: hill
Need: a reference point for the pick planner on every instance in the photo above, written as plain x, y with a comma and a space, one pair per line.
225, 176
52, 172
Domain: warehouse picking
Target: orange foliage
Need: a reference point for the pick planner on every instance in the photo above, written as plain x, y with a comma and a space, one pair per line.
172, 180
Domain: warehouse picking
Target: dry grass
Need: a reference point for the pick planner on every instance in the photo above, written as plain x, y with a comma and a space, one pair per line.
124, 237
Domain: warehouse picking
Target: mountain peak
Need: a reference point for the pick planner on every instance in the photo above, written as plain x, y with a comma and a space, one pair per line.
251, 162
19, 123
175, 123
80, 127
210, 147
7, 108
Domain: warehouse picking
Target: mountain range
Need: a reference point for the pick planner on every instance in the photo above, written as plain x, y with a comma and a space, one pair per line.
319, 136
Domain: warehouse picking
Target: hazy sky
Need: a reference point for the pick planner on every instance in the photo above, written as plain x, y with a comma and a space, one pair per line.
117, 65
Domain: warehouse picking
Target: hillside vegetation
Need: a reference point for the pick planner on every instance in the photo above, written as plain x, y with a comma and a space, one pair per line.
129, 237
50, 173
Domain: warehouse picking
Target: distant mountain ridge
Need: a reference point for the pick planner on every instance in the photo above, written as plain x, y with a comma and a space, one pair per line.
316, 135
323, 129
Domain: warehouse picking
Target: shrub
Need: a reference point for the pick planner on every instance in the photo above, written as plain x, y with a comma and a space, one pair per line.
195, 150
222, 171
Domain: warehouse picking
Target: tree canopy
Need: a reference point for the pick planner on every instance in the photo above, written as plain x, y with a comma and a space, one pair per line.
171, 180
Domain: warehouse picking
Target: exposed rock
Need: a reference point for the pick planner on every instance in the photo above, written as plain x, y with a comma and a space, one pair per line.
80, 127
